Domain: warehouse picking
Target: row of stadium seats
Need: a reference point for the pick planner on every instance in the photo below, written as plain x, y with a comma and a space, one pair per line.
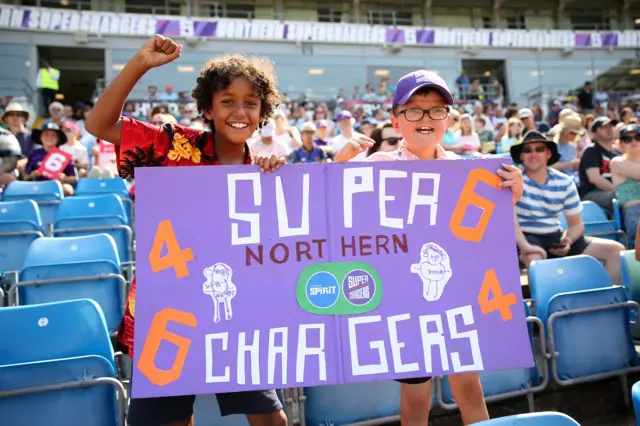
596, 223
48, 195
69, 373
586, 320
584, 335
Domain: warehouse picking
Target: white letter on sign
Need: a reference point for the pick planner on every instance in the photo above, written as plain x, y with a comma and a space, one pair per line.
252, 218
283, 219
350, 187
433, 339
356, 368
209, 338
467, 317
304, 351
254, 350
396, 346
389, 222
275, 350
424, 200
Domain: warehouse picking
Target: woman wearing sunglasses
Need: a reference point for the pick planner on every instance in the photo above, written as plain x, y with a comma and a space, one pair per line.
385, 139
625, 174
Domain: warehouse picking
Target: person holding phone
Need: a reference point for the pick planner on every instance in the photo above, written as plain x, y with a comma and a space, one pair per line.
385, 139
547, 194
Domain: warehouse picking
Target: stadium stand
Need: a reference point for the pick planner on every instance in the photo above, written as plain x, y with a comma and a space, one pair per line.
57, 363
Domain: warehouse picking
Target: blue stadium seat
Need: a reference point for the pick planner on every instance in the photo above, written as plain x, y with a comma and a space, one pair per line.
617, 218
47, 194
590, 335
56, 362
93, 214
597, 224
67, 268
107, 186
552, 276
631, 277
343, 404
504, 384
548, 418
635, 396
20, 224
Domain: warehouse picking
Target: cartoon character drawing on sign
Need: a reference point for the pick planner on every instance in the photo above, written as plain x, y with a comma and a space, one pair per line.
434, 270
221, 289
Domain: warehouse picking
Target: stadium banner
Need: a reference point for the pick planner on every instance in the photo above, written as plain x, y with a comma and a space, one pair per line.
124, 24
323, 274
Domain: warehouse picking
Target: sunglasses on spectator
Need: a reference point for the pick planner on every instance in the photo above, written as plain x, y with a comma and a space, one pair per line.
417, 114
539, 149
630, 138
393, 140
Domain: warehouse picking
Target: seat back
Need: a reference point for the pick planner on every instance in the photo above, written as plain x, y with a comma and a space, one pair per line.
53, 331
90, 405
553, 276
82, 259
595, 342
47, 194
635, 396
591, 212
107, 186
20, 224
548, 418
80, 215
351, 403
631, 274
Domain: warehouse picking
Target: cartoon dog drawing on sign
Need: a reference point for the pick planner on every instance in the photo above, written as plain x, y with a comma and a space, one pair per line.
434, 270
221, 289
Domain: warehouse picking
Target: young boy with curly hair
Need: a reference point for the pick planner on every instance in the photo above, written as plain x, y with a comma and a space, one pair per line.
235, 95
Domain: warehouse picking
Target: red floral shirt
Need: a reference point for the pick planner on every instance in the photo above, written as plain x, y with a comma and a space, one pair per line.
147, 145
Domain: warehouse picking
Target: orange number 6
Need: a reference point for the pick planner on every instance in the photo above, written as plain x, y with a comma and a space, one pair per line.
500, 302
157, 333
470, 198
175, 258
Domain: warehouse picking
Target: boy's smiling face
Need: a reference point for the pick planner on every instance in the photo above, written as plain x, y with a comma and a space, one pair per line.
235, 110
426, 132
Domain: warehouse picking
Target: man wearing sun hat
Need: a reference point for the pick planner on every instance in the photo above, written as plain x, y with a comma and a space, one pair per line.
15, 117
549, 193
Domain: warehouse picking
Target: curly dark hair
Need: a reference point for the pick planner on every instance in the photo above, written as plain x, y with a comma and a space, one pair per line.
219, 72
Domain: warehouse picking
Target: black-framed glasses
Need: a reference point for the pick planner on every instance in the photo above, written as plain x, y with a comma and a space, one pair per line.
393, 140
416, 114
630, 138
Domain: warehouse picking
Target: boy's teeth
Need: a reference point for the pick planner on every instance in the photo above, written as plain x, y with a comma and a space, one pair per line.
238, 125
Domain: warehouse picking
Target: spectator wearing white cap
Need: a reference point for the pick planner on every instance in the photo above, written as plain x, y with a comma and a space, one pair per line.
570, 130
345, 122
267, 146
284, 133
10, 153
308, 152
16, 117
528, 119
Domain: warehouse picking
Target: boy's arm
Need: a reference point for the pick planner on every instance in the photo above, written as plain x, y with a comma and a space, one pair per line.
104, 122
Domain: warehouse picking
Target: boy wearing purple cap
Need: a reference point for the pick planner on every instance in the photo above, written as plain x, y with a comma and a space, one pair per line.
420, 114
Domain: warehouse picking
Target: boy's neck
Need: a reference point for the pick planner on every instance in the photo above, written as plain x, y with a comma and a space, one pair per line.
229, 152
427, 153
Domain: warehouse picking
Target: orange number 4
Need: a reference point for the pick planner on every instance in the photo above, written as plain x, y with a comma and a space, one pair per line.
175, 258
157, 333
500, 302
470, 198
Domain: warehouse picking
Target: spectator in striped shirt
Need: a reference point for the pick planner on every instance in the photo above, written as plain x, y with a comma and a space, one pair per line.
547, 194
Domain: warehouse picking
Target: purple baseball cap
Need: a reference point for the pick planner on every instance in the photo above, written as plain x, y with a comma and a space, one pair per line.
343, 114
412, 82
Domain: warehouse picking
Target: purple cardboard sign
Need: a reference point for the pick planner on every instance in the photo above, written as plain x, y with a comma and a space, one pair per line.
323, 274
